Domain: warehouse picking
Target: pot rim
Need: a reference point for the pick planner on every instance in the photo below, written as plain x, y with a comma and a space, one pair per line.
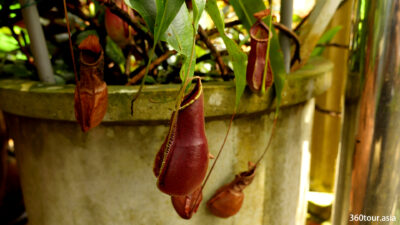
38, 100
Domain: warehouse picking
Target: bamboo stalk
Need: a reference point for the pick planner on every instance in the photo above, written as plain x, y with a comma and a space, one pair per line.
286, 19
38, 45
313, 29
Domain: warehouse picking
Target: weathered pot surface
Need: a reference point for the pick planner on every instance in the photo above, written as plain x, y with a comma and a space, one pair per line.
105, 176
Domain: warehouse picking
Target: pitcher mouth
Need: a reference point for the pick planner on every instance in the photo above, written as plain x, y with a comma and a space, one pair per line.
91, 64
253, 31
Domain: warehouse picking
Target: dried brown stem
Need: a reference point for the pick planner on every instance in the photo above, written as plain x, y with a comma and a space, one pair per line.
214, 52
228, 24
303, 21
269, 142
328, 112
153, 64
337, 45
216, 158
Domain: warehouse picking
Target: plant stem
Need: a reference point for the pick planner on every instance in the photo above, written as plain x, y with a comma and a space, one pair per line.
144, 77
216, 159
38, 42
266, 67
269, 141
204, 37
286, 19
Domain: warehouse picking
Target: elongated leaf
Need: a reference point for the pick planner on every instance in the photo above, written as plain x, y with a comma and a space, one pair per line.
166, 12
190, 60
180, 36
180, 33
238, 58
278, 67
147, 9
158, 14
198, 8
311, 31
244, 10
114, 52
325, 38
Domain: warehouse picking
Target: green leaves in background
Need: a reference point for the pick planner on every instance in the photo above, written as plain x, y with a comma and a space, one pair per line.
238, 58
114, 52
17, 70
174, 24
7, 42
244, 10
325, 39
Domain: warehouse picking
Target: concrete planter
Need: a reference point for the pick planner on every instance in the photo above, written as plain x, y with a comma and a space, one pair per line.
105, 176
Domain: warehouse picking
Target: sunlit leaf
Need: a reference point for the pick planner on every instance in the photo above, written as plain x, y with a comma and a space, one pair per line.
190, 56
198, 8
166, 12
237, 57
7, 42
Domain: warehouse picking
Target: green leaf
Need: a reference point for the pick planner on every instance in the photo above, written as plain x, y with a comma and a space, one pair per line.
180, 33
236, 55
166, 12
160, 17
150, 80
278, 67
114, 52
198, 8
147, 9
245, 9
7, 42
325, 38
